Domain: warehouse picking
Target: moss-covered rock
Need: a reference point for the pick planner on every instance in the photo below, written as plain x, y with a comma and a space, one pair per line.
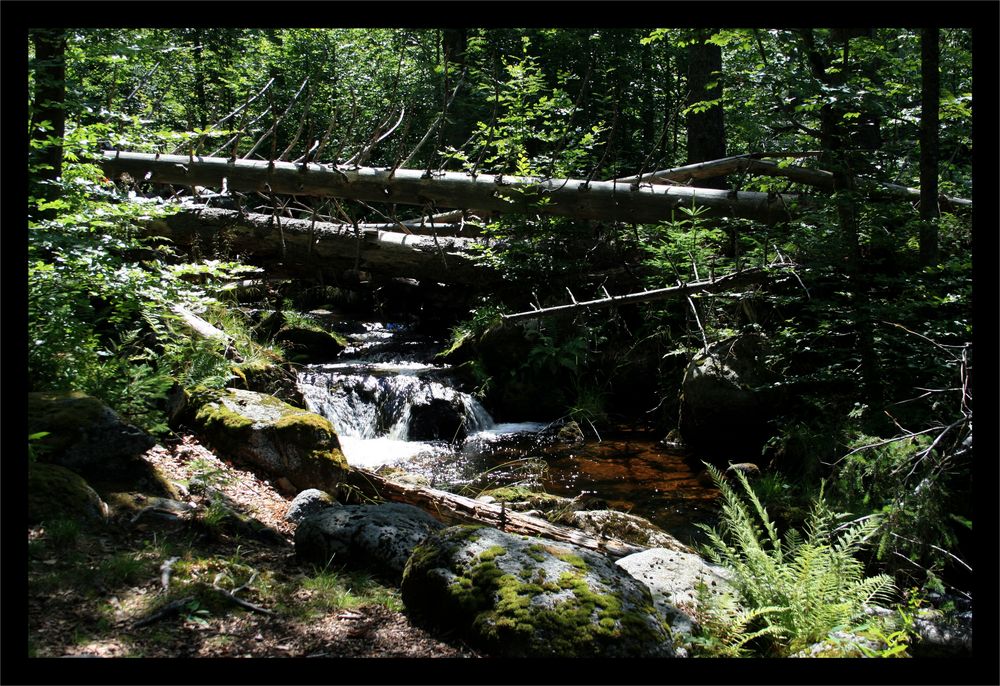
517, 596
55, 492
83, 434
269, 434
309, 345
521, 498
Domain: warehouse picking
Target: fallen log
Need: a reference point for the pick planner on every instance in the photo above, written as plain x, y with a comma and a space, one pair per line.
451, 508
600, 200
818, 178
723, 283
301, 246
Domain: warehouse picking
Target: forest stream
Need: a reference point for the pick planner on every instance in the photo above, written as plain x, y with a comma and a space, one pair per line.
382, 387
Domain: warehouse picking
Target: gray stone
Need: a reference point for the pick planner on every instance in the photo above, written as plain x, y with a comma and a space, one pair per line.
673, 577
518, 596
308, 502
83, 433
377, 537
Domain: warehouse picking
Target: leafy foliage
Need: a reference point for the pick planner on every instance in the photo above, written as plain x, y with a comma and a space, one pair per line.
803, 586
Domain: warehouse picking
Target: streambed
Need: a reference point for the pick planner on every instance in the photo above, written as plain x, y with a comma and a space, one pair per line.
392, 406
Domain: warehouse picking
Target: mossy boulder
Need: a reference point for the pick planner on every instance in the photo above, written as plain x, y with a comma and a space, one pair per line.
83, 434
517, 596
309, 345
271, 435
376, 537
55, 492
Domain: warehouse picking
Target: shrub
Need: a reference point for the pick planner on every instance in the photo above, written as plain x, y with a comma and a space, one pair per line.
803, 587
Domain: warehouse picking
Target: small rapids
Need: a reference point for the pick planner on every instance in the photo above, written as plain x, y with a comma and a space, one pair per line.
391, 407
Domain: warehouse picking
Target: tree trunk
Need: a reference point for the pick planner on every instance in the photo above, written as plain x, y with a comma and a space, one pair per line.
294, 246
49, 105
835, 138
601, 200
456, 509
706, 131
929, 98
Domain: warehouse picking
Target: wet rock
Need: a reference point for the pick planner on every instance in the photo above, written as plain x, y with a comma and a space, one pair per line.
437, 419
308, 345
55, 492
307, 503
376, 537
570, 434
271, 435
518, 596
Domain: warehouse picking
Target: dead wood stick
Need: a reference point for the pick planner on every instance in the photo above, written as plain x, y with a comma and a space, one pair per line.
167, 610
165, 570
231, 595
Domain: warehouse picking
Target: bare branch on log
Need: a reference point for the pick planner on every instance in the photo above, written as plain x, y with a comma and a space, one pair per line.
277, 122
738, 279
811, 177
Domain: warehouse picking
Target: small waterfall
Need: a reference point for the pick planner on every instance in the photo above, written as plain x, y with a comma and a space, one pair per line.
376, 403
386, 403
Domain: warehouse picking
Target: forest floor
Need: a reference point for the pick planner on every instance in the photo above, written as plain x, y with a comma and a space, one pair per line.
202, 583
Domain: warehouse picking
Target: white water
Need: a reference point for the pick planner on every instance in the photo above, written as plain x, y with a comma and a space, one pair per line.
371, 393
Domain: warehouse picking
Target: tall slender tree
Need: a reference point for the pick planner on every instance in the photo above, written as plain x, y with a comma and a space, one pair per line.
49, 103
706, 128
930, 96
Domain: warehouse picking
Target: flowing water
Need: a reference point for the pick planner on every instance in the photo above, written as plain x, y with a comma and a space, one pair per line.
392, 406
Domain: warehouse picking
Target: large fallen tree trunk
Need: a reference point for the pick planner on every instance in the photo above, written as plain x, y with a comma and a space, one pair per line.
818, 178
301, 246
456, 509
600, 200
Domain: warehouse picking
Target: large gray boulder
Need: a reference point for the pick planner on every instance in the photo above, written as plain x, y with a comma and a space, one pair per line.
672, 577
723, 410
517, 596
376, 537
83, 434
308, 503
271, 435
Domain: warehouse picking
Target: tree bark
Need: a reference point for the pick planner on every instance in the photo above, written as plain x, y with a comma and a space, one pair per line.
812, 177
601, 200
49, 104
456, 509
706, 131
929, 97
294, 246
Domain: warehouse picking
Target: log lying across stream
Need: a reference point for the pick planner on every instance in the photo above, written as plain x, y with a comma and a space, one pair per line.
299, 246
577, 198
451, 508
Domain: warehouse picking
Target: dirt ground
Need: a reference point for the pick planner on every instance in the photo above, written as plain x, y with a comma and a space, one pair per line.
202, 583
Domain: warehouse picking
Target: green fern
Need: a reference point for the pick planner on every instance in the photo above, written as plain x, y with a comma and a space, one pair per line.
802, 588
